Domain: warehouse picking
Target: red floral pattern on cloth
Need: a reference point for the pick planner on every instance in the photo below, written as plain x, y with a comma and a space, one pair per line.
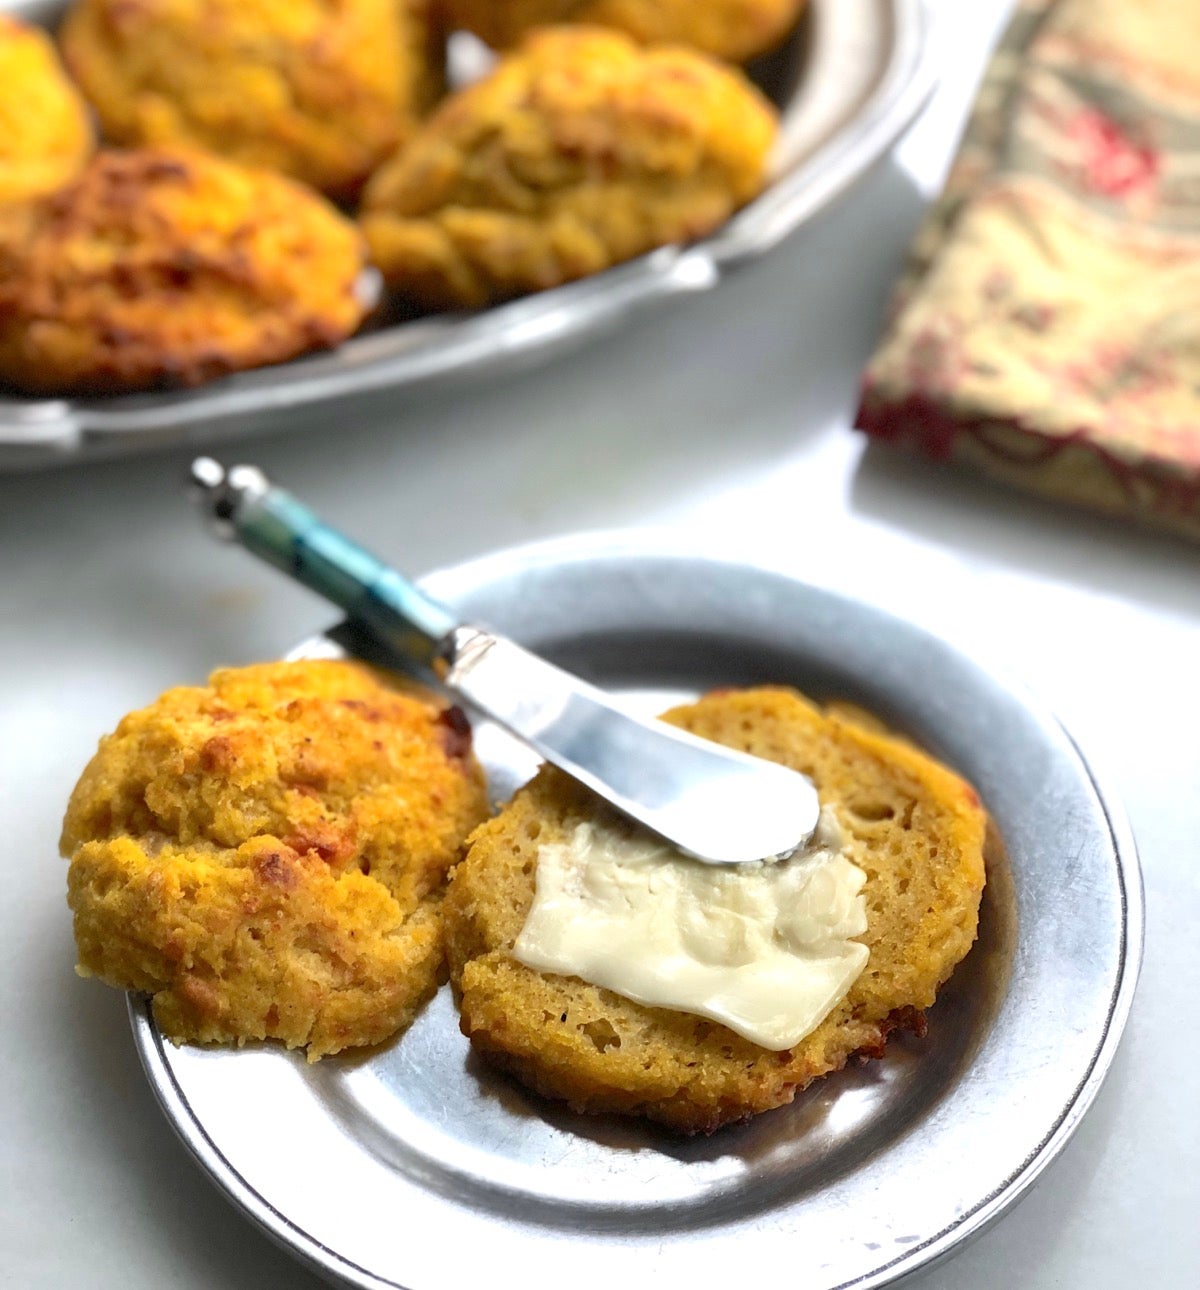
1111, 162
1047, 329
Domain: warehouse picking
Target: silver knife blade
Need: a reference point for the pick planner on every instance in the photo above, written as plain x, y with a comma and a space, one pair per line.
713, 803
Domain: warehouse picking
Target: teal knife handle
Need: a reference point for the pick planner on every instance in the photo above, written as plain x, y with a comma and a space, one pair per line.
280, 530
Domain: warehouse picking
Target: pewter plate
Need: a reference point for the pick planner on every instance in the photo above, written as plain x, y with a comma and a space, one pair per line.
415, 1166
848, 81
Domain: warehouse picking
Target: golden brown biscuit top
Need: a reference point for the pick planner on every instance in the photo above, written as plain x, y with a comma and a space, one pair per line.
580, 106
733, 29
580, 151
323, 756
167, 266
320, 91
264, 855
45, 134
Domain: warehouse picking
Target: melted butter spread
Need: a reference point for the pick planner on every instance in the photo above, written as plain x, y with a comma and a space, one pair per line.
765, 949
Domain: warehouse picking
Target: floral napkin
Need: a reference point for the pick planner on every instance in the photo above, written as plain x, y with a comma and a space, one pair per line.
1047, 329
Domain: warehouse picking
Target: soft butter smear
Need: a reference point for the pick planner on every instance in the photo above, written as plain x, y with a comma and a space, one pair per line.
765, 949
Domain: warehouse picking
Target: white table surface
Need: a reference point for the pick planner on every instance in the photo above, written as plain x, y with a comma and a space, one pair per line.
725, 418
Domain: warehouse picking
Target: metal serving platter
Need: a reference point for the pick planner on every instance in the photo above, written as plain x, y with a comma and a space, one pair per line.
415, 1166
848, 82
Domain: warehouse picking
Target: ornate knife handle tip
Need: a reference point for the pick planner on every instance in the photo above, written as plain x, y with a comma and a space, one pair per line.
219, 493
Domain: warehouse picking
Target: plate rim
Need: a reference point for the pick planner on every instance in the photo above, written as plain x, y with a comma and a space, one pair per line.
631, 547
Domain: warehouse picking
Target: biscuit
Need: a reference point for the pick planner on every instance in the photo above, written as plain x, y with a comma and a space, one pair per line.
266, 855
580, 151
320, 92
913, 826
732, 29
161, 268
45, 132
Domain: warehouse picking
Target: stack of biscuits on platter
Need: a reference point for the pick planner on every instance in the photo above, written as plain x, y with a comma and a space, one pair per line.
190, 188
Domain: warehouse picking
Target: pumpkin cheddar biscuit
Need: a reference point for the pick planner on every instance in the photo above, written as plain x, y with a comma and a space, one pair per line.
322, 92
732, 29
265, 855
581, 150
45, 133
915, 828
167, 267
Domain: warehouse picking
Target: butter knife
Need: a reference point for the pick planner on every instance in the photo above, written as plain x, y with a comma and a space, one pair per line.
712, 803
